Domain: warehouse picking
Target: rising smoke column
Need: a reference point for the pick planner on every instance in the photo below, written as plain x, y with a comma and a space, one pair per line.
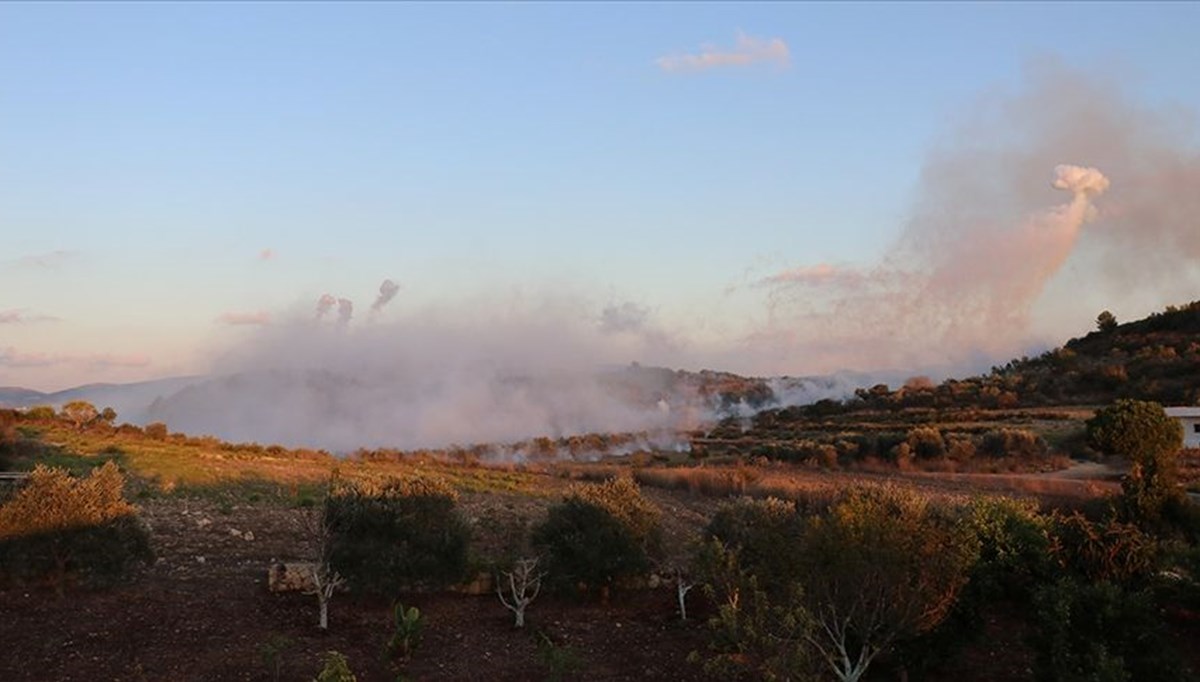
948, 290
387, 291
345, 310
987, 266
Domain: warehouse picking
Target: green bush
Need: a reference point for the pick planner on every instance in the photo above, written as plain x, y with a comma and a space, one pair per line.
764, 535
60, 528
1098, 632
753, 631
622, 498
396, 533
335, 669
1137, 430
1014, 559
881, 566
585, 544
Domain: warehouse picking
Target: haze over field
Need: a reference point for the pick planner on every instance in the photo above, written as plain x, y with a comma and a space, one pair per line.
416, 225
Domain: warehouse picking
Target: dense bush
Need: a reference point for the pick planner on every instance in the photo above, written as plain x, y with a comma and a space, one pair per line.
59, 528
1137, 430
597, 535
875, 567
1014, 559
621, 497
1108, 550
765, 537
1012, 443
1098, 632
753, 631
1142, 432
395, 533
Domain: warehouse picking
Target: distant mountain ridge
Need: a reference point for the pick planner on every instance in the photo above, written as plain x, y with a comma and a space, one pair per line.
129, 400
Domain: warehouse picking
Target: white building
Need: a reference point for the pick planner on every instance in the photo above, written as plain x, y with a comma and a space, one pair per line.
1190, 418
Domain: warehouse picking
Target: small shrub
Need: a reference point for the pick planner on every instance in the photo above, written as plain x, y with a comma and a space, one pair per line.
562, 662
272, 652
336, 669
407, 625
926, 442
156, 431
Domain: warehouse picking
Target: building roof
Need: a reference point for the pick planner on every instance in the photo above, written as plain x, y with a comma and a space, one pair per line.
1182, 411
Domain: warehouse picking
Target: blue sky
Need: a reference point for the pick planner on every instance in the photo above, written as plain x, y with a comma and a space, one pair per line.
150, 153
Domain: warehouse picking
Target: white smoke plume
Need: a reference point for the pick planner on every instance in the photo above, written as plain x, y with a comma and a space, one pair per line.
485, 373
387, 291
987, 243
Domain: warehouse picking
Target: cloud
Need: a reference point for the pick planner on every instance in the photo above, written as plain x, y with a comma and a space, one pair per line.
822, 274
748, 51
13, 358
23, 316
50, 260
244, 318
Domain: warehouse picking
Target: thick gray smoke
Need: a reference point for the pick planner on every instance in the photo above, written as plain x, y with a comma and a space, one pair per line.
990, 259
345, 311
387, 291
325, 304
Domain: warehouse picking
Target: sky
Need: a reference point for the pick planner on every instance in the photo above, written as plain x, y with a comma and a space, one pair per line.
176, 178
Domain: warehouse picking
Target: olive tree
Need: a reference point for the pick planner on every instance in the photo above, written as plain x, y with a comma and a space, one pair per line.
880, 566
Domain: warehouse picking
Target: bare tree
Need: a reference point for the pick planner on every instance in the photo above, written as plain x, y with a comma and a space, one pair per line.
524, 584
684, 582
325, 580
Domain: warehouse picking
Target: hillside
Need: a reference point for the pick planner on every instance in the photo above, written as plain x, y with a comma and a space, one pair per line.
1156, 358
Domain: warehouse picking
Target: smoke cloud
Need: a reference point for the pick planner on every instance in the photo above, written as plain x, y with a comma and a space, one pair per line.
324, 304
1066, 180
387, 291
481, 373
987, 239
345, 309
